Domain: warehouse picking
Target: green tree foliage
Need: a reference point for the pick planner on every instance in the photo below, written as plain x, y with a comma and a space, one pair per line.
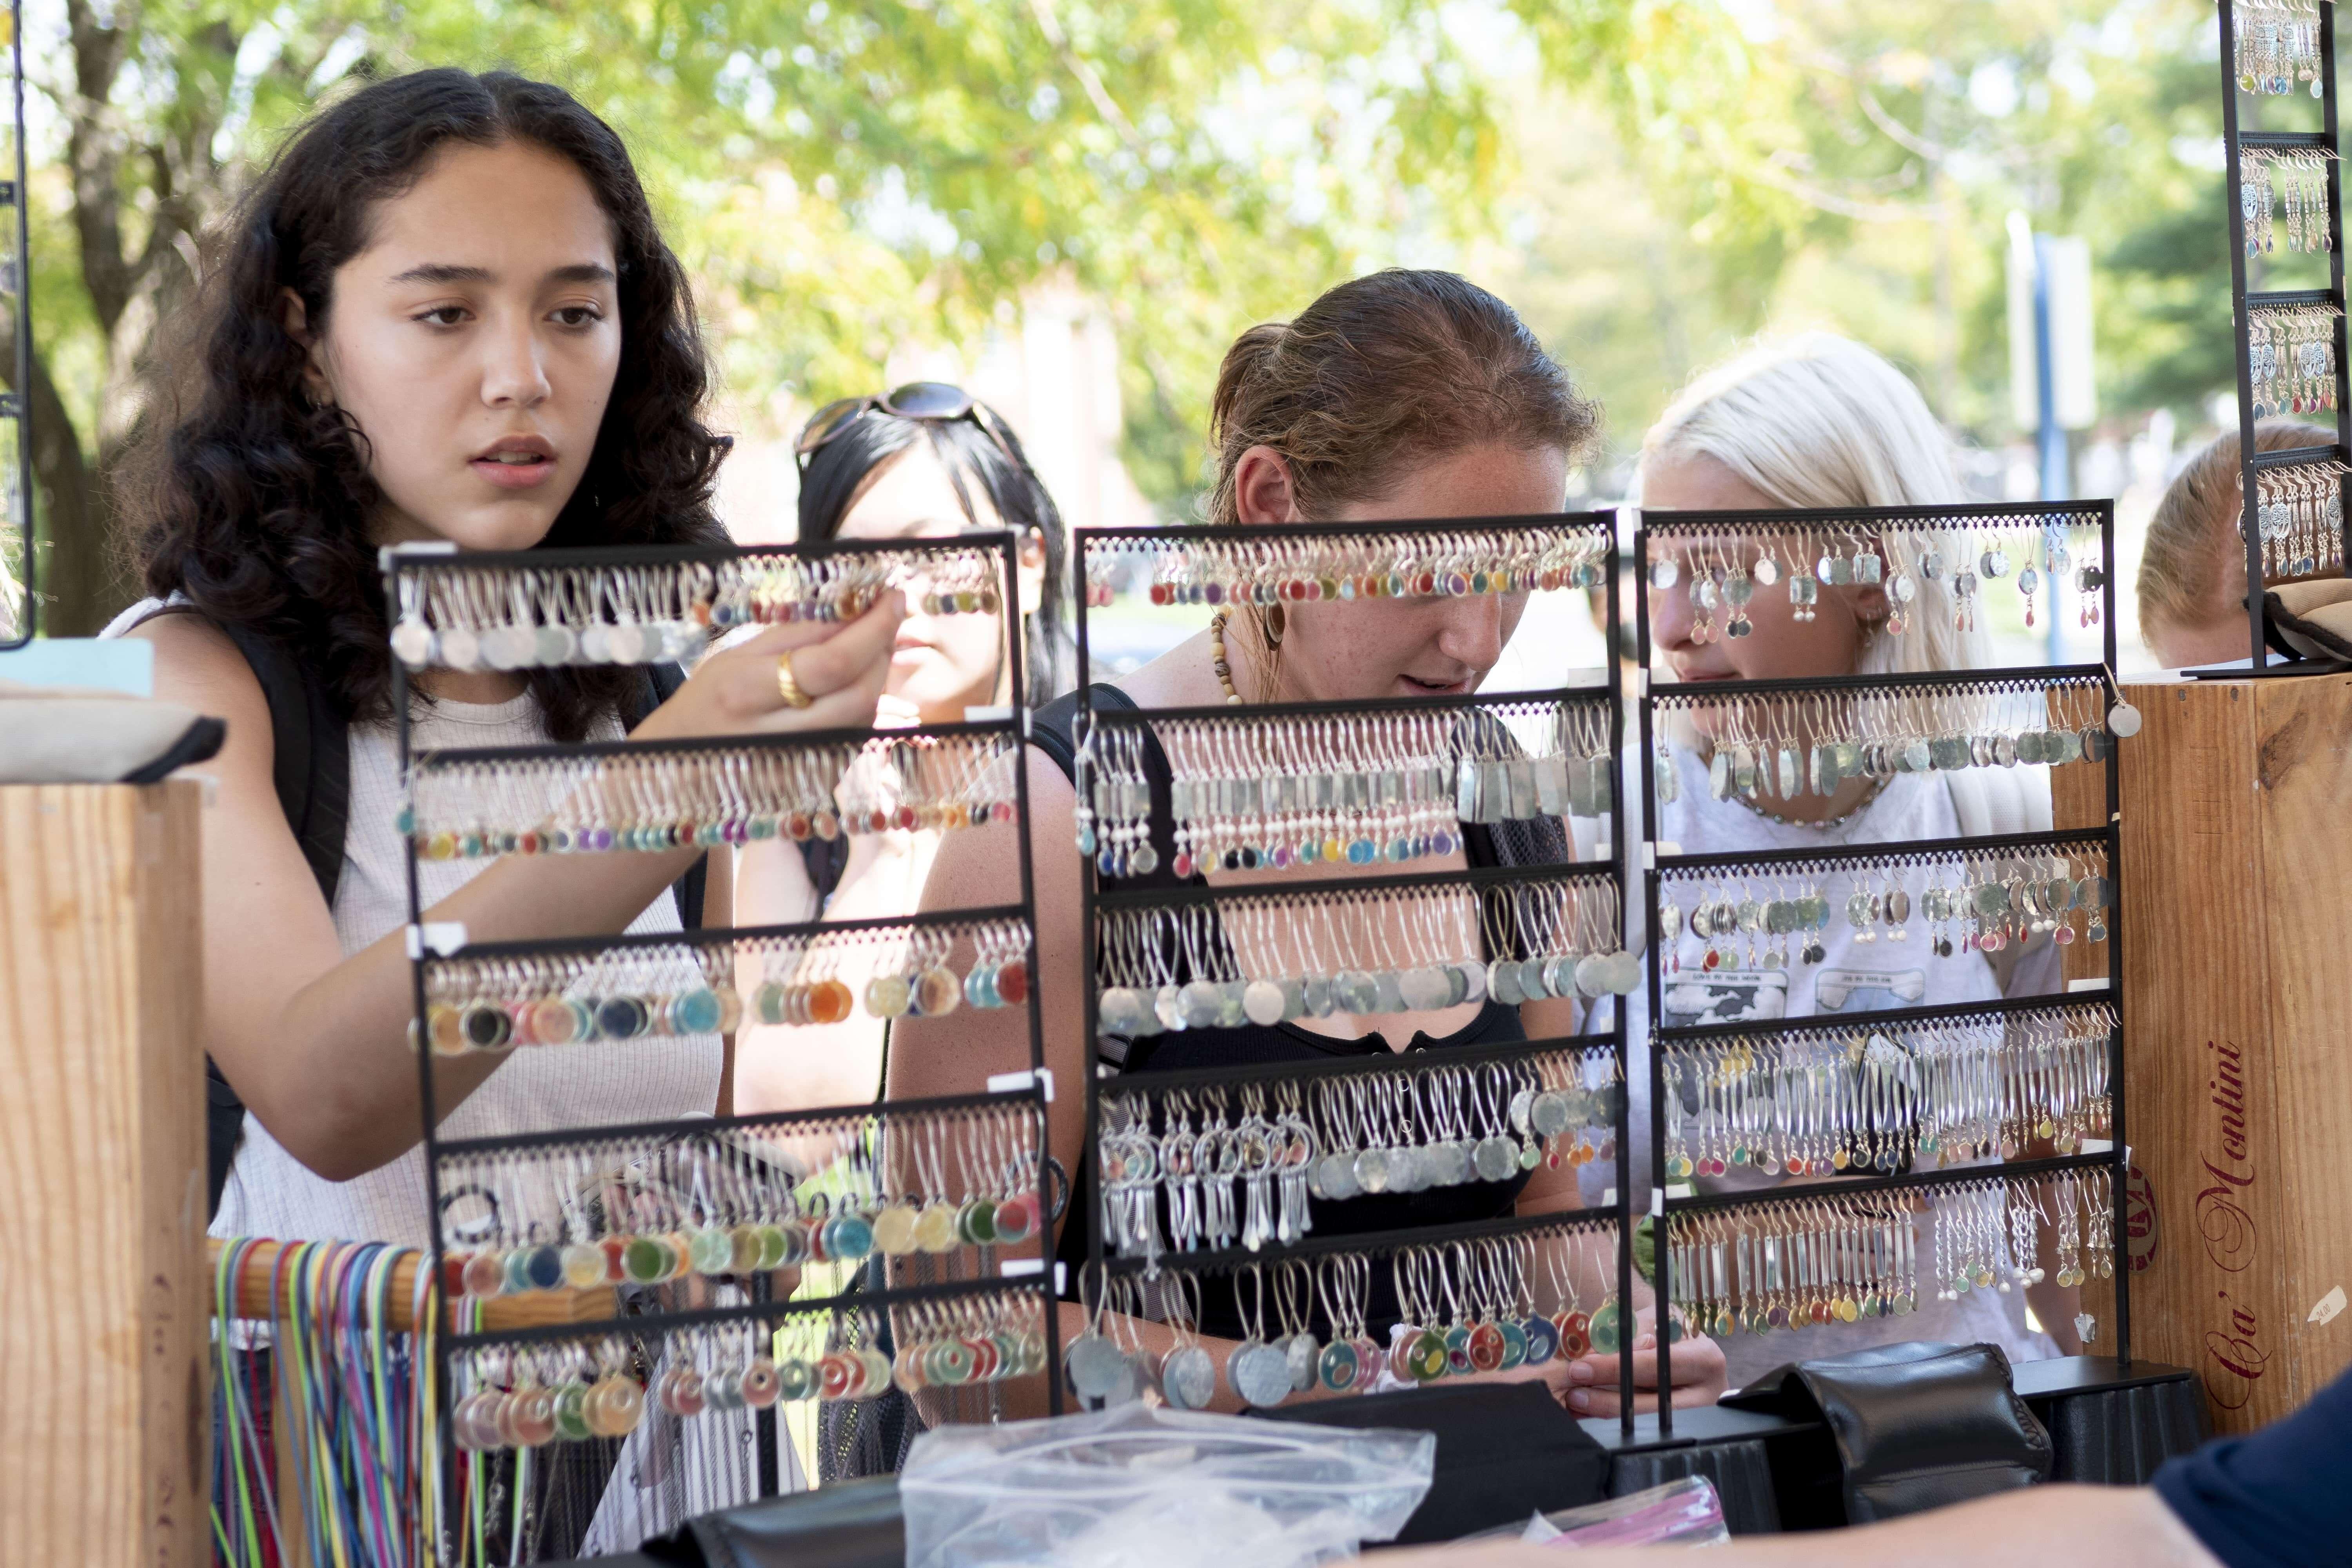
1853, 163
840, 177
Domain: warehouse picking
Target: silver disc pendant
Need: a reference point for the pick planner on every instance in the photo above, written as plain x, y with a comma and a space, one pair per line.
1304, 1353
412, 643
1591, 974
1096, 1366
556, 646
1336, 1175
1548, 1114
1624, 973
1494, 1160
1444, 1164
458, 648
1264, 1001
1189, 1378
1260, 1374
1424, 989
1315, 995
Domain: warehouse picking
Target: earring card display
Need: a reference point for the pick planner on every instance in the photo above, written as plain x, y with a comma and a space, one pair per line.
2285, 204
692, 1223
1794, 1031
1484, 1297
1279, 1203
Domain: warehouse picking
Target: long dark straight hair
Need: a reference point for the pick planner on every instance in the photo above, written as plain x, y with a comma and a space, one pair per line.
838, 469
253, 503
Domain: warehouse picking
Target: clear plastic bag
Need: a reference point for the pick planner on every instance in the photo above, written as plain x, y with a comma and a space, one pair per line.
1680, 1513
1136, 1487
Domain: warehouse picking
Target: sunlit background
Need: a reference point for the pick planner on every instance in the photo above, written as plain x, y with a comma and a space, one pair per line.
1072, 206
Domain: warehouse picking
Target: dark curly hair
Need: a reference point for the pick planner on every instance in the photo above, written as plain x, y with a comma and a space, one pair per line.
253, 503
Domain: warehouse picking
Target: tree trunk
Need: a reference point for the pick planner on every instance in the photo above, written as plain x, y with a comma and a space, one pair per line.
74, 571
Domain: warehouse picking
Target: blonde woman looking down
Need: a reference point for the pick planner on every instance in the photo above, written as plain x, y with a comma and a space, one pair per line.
1811, 422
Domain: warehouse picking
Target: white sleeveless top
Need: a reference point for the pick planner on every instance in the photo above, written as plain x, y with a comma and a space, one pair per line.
271, 1194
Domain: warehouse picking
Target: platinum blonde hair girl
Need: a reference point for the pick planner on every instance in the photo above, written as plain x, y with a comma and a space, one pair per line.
1815, 420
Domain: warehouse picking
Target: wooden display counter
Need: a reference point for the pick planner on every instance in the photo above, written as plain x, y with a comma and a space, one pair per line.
105, 1430
2237, 861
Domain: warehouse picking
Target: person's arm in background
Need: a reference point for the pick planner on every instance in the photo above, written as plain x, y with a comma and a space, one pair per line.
2082, 1527
2273, 1499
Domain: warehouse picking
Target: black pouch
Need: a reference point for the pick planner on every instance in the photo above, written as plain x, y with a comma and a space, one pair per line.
1915, 1426
1505, 1451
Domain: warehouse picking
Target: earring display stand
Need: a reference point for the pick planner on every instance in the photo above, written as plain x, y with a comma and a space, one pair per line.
1887, 546
716, 1204
1227, 805
19, 606
2246, 151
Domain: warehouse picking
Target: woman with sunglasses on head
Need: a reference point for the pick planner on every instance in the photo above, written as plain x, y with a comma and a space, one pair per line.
1402, 394
924, 461
443, 314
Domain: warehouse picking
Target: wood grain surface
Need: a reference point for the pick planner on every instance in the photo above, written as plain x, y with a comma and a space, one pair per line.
104, 1432
2236, 797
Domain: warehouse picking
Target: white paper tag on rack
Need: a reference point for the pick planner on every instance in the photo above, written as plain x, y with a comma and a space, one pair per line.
994, 713
1015, 1267
388, 553
2095, 982
1014, 1082
441, 938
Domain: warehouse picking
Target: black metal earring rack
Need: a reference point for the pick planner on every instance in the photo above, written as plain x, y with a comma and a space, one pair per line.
20, 618
1965, 523
1101, 895
2244, 301
431, 945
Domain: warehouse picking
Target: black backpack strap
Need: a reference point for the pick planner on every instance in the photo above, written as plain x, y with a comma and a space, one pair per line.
1053, 731
662, 680
311, 763
310, 766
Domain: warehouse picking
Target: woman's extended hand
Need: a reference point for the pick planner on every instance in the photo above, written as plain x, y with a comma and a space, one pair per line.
839, 669
1588, 1386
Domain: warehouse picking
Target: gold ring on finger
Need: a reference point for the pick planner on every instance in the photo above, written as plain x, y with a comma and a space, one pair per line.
788, 687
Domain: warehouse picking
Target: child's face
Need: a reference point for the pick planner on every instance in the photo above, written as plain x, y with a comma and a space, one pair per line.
474, 343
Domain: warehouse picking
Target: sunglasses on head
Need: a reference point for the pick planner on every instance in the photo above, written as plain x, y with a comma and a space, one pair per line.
932, 402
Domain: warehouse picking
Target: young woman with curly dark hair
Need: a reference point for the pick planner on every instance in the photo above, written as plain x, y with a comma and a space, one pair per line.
446, 313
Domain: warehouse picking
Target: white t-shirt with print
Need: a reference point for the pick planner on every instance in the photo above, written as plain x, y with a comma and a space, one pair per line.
1853, 976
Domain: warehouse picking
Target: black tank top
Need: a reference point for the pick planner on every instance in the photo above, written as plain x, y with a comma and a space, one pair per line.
1524, 843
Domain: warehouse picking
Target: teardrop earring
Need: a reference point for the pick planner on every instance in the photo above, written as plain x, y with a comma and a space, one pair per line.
1273, 621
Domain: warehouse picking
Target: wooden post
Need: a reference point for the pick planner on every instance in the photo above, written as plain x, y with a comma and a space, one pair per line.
2237, 849
105, 1423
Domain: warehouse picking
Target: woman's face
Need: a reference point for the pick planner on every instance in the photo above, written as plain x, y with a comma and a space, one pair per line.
1412, 647
1780, 646
941, 663
474, 342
